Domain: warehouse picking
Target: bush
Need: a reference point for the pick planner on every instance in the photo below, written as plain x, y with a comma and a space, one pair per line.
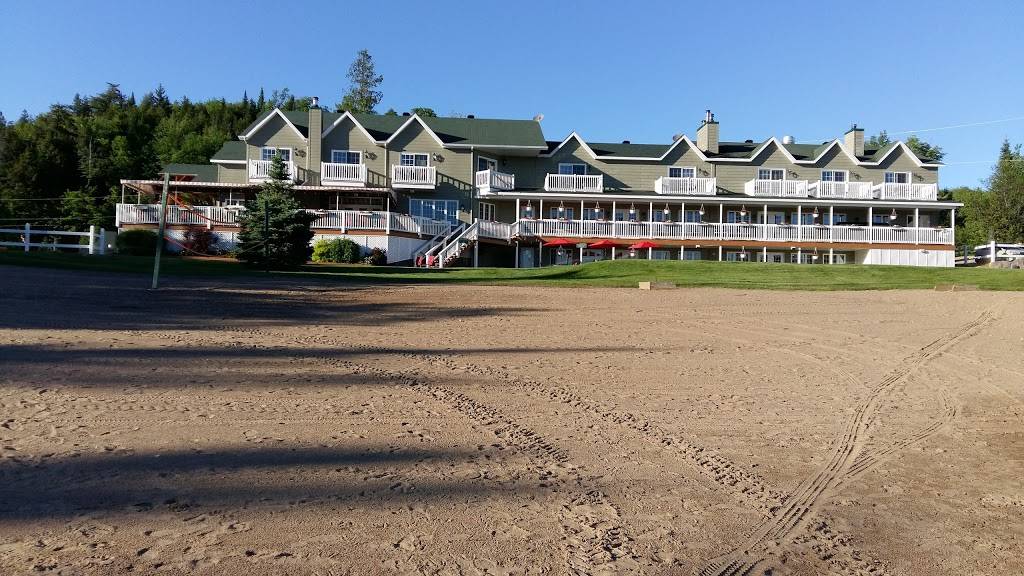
376, 257
340, 250
137, 242
199, 240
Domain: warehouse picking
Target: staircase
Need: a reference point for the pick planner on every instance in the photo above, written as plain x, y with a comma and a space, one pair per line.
454, 249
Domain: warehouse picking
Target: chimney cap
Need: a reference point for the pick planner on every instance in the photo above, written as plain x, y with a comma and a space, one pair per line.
709, 117
626, 142
316, 102
854, 128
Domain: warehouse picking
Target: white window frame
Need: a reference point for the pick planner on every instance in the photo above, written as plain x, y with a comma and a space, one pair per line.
770, 170
895, 177
832, 173
488, 160
568, 213
682, 170
231, 200
487, 210
572, 173
402, 155
276, 150
357, 152
452, 216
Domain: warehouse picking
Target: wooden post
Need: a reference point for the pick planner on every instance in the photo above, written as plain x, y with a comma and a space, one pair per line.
163, 230
799, 222
387, 216
917, 225
103, 241
28, 236
92, 239
871, 222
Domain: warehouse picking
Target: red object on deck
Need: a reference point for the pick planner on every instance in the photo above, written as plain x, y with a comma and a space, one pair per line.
643, 244
603, 244
560, 242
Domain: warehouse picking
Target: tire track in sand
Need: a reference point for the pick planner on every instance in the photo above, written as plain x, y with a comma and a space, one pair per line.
811, 493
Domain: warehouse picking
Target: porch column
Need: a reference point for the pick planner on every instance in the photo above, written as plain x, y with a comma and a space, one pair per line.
540, 214
831, 256
518, 213
614, 235
764, 222
719, 252
871, 221
799, 255
917, 225
650, 253
613, 252
581, 216
764, 254
476, 254
831, 224
581, 254
516, 255
387, 223
799, 222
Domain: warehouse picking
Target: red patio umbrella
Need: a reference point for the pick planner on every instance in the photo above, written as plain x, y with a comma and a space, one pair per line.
643, 244
560, 242
603, 244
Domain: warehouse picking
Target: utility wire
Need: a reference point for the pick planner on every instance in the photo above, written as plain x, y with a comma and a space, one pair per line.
966, 125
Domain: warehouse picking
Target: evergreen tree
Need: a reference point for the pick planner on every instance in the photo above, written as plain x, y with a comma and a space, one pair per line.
1004, 210
261, 102
878, 141
391, 112
274, 232
362, 95
924, 149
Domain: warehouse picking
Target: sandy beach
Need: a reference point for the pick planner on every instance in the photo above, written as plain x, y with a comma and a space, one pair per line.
244, 427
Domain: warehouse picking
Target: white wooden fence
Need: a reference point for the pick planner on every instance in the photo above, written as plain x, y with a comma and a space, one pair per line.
97, 239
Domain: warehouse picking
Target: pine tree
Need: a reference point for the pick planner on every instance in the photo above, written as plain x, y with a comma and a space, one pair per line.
878, 141
274, 232
362, 95
1004, 210
261, 102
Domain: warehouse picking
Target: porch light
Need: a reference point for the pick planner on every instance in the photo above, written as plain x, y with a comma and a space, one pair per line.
632, 253
701, 211
561, 207
666, 211
632, 210
743, 211
815, 255
815, 214
892, 216
529, 207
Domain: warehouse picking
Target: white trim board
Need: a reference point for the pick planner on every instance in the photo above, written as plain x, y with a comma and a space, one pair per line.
263, 122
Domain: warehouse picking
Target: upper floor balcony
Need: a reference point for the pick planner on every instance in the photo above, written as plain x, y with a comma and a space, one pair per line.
776, 188
841, 190
488, 181
259, 170
342, 174
421, 177
686, 186
586, 183
906, 191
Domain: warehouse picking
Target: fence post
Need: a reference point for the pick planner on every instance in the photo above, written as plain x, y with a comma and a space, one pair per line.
103, 241
92, 239
991, 251
28, 235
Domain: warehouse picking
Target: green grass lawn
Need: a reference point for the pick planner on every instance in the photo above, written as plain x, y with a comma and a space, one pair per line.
611, 274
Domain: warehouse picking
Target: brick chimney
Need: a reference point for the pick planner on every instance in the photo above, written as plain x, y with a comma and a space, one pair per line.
854, 140
316, 129
707, 134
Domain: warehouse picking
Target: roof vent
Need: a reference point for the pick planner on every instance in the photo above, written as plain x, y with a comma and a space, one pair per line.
748, 141
470, 116
676, 137
405, 114
538, 117
316, 102
787, 139
626, 142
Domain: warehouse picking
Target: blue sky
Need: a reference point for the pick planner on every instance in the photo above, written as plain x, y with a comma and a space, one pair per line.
611, 71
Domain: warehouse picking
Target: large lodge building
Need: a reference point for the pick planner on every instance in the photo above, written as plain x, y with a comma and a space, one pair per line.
474, 191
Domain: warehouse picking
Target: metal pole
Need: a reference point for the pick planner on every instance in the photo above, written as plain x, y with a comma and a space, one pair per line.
163, 229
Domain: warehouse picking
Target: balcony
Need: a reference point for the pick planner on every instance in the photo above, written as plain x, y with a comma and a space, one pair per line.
776, 188
488, 181
421, 177
587, 183
906, 191
342, 174
259, 170
685, 186
842, 190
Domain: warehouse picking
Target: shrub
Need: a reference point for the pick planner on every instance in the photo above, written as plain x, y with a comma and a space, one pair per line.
376, 257
199, 239
137, 242
350, 251
327, 251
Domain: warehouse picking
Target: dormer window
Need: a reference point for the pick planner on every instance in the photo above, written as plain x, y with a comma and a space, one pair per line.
682, 172
833, 175
413, 159
268, 153
346, 157
771, 174
577, 169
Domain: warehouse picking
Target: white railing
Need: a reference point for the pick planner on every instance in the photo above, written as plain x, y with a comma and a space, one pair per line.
574, 183
490, 180
414, 176
326, 219
97, 239
776, 188
841, 190
498, 230
331, 172
260, 169
893, 191
728, 231
454, 249
685, 186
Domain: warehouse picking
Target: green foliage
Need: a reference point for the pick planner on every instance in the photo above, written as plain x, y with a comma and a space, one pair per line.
1004, 210
337, 250
424, 112
391, 112
376, 257
274, 232
924, 149
81, 210
362, 95
136, 242
880, 140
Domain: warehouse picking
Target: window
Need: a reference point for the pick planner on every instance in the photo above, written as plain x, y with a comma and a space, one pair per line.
268, 153
660, 216
773, 217
485, 163
413, 159
734, 217
566, 213
771, 174
346, 157
235, 198
806, 218
487, 211
692, 216
444, 210
897, 177
833, 175
681, 172
691, 254
661, 255
838, 218
593, 213
572, 169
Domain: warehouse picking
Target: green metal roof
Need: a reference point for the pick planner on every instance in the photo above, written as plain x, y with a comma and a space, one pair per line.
628, 150
231, 150
200, 172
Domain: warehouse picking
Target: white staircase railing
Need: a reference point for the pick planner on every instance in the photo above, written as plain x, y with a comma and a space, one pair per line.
456, 247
